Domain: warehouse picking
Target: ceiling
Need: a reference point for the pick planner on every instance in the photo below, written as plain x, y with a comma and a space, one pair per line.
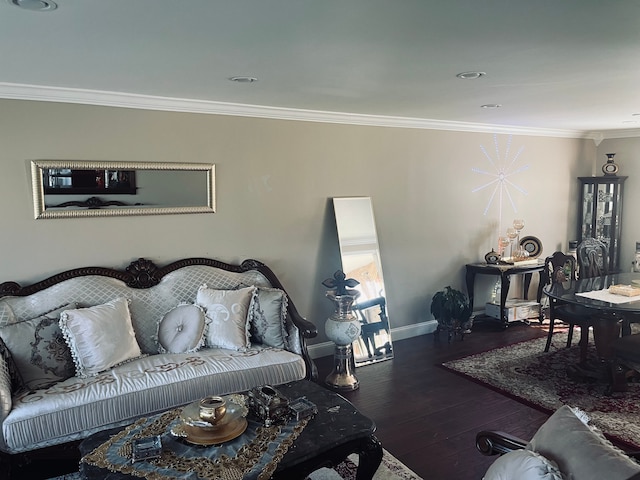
557, 67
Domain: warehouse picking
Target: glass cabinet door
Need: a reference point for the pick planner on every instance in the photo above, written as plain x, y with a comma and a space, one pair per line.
601, 212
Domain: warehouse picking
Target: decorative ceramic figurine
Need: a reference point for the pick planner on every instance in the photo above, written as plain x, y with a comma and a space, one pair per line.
610, 168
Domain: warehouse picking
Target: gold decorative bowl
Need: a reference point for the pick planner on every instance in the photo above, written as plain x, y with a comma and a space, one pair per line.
193, 429
212, 409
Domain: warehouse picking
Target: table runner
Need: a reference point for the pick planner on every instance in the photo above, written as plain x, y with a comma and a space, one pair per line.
254, 455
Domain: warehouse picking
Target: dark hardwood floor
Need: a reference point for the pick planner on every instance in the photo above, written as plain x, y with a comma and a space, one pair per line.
428, 417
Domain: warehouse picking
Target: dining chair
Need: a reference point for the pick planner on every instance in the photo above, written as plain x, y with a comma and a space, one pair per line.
593, 258
593, 261
370, 328
560, 274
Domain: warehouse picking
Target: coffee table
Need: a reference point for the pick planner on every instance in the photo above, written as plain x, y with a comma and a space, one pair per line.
337, 431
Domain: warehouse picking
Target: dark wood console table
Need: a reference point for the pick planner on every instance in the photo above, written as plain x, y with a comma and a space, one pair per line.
504, 271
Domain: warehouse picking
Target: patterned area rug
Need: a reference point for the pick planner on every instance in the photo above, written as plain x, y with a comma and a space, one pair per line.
524, 372
390, 469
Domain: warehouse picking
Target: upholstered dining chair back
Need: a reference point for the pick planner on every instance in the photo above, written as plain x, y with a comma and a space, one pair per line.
559, 272
559, 275
593, 258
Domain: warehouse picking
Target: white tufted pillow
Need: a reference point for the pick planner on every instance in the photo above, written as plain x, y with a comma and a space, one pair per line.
228, 312
99, 337
182, 329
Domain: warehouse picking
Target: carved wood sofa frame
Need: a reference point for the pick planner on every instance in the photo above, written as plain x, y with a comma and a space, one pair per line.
143, 273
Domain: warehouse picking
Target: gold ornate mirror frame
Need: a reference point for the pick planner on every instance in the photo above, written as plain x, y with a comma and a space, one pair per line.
194, 179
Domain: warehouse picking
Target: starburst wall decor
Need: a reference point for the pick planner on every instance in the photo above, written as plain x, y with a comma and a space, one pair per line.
502, 168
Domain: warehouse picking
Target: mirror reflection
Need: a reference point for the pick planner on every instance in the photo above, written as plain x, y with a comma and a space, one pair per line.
89, 189
360, 256
68, 181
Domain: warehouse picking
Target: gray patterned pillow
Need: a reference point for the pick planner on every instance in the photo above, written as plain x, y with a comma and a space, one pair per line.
267, 314
39, 350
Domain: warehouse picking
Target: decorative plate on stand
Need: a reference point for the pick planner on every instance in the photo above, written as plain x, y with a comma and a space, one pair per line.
531, 245
492, 257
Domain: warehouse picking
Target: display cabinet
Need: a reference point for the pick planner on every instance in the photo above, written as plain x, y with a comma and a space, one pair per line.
601, 213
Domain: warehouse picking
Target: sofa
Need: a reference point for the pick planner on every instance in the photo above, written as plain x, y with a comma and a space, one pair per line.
94, 348
565, 447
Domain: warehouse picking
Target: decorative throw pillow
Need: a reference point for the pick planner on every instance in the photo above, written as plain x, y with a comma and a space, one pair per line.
181, 330
228, 312
39, 350
17, 383
523, 465
267, 317
581, 449
100, 337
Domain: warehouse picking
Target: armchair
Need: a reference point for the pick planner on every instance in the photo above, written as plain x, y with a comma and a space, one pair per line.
565, 446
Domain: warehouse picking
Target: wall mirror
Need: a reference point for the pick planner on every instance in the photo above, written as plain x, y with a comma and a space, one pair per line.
360, 256
63, 189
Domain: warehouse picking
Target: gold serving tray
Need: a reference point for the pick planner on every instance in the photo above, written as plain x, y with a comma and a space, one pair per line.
198, 432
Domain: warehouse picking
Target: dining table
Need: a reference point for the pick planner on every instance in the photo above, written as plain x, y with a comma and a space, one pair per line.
611, 313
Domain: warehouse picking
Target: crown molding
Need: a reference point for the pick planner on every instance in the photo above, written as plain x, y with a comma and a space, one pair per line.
15, 91
626, 133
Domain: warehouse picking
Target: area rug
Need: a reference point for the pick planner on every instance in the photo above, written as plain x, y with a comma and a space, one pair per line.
524, 372
390, 469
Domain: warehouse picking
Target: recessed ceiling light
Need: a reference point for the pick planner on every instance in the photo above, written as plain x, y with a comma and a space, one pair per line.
635, 114
470, 75
490, 105
34, 5
243, 79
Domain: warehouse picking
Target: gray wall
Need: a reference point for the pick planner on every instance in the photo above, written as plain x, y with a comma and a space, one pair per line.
275, 180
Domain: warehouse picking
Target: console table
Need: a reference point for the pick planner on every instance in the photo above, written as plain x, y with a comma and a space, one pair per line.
504, 271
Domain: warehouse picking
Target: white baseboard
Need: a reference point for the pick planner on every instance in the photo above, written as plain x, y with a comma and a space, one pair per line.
325, 349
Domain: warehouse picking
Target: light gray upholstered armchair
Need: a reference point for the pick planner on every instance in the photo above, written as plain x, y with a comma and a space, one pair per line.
564, 447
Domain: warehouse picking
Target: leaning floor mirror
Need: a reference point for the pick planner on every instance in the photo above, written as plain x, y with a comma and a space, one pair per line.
360, 256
